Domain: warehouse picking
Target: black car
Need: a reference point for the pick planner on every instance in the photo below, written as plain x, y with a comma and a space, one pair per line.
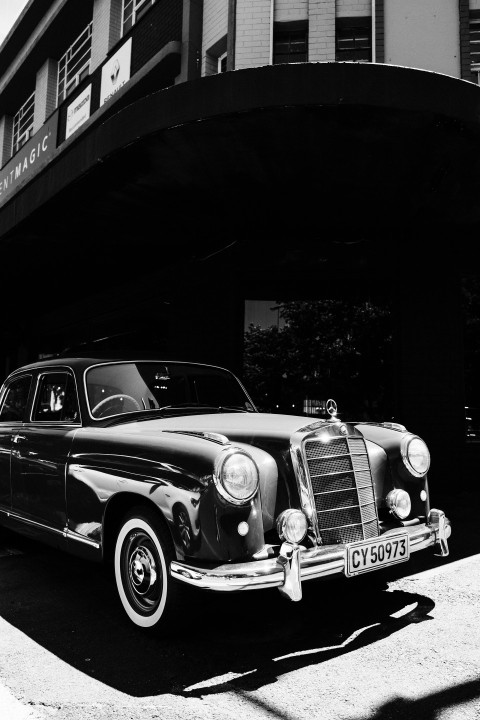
167, 470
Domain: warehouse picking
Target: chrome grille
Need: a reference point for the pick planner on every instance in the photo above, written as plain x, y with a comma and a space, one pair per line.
342, 487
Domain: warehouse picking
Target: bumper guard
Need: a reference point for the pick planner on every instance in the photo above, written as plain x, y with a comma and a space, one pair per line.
295, 563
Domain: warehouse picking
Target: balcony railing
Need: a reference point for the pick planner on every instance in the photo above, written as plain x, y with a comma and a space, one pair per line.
75, 64
23, 124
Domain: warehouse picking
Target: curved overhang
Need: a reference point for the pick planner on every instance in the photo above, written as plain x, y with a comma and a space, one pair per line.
320, 144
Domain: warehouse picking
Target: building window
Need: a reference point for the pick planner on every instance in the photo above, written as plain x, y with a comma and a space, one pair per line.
216, 57
75, 64
23, 124
222, 63
475, 43
354, 39
133, 11
290, 43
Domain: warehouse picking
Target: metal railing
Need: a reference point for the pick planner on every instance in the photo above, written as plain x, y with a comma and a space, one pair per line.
74, 65
23, 124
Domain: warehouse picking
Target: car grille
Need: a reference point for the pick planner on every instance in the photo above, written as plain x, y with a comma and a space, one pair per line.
342, 488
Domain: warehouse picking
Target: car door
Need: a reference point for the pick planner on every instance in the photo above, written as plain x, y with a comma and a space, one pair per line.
13, 406
41, 449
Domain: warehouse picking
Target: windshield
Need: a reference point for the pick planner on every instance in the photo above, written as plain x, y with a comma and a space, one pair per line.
118, 388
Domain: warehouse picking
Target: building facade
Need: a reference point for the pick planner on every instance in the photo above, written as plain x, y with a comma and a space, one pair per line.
62, 59
163, 161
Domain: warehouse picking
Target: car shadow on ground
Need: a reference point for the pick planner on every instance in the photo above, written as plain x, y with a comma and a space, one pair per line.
428, 707
220, 642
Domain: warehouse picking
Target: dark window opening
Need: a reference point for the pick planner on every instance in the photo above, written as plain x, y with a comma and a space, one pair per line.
290, 44
354, 39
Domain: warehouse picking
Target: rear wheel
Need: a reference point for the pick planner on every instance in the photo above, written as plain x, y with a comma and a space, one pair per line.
143, 552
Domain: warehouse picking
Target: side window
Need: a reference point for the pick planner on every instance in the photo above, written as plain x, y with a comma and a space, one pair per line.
15, 400
56, 399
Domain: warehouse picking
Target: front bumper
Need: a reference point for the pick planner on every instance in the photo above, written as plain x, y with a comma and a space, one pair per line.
296, 563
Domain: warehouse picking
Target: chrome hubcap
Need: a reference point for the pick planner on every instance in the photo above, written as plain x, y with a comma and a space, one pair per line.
142, 570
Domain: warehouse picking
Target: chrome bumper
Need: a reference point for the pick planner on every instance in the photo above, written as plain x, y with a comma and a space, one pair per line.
296, 563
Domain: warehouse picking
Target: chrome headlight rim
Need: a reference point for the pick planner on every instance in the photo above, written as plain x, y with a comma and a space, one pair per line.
217, 476
404, 446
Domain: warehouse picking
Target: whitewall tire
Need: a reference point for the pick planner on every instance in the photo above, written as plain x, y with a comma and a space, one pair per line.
142, 561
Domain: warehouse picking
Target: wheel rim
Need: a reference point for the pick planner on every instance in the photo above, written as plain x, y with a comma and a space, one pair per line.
141, 572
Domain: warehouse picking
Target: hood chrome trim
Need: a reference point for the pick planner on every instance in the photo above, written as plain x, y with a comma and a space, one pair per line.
204, 435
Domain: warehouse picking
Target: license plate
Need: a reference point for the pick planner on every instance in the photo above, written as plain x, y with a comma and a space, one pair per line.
366, 555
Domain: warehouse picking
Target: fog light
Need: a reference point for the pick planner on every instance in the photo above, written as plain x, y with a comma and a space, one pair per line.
292, 525
242, 528
399, 503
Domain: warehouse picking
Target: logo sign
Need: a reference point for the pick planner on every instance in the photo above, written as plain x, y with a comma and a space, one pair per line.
331, 407
116, 72
78, 111
33, 155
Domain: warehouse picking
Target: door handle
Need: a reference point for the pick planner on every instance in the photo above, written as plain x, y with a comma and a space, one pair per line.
17, 438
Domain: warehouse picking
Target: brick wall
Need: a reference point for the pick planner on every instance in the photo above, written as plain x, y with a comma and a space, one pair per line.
215, 26
349, 8
321, 30
290, 10
154, 30
45, 93
107, 29
252, 44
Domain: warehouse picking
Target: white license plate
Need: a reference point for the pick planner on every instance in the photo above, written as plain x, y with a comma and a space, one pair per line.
366, 555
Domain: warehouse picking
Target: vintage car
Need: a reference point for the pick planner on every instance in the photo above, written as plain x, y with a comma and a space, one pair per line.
167, 470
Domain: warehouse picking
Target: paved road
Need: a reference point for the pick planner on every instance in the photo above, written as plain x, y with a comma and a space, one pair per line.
348, 651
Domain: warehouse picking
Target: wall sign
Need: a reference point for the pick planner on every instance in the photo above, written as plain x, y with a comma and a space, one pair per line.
78, 111
116, 72
29, 159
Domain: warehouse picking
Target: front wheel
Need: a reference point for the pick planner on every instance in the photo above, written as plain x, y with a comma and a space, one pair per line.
143, 552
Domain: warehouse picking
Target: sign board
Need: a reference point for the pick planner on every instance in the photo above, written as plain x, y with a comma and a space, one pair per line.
78, 111
33, 155
116, 72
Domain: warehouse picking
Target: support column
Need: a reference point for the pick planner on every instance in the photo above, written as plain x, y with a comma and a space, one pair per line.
45, 93
106, 29
192, 26
252, 42
321, 30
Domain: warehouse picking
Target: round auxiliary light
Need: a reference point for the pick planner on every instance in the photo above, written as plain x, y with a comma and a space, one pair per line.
242, 528
236, 477
292, 525
399, 503
415, 455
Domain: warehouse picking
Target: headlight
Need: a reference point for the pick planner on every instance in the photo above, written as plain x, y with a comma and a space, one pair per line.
399, 503
292, 525
236, 477
415, 455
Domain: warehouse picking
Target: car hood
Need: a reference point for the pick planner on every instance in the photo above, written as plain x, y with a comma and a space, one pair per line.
236, 426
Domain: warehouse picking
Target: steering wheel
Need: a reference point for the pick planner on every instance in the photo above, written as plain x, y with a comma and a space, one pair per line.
120, 396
